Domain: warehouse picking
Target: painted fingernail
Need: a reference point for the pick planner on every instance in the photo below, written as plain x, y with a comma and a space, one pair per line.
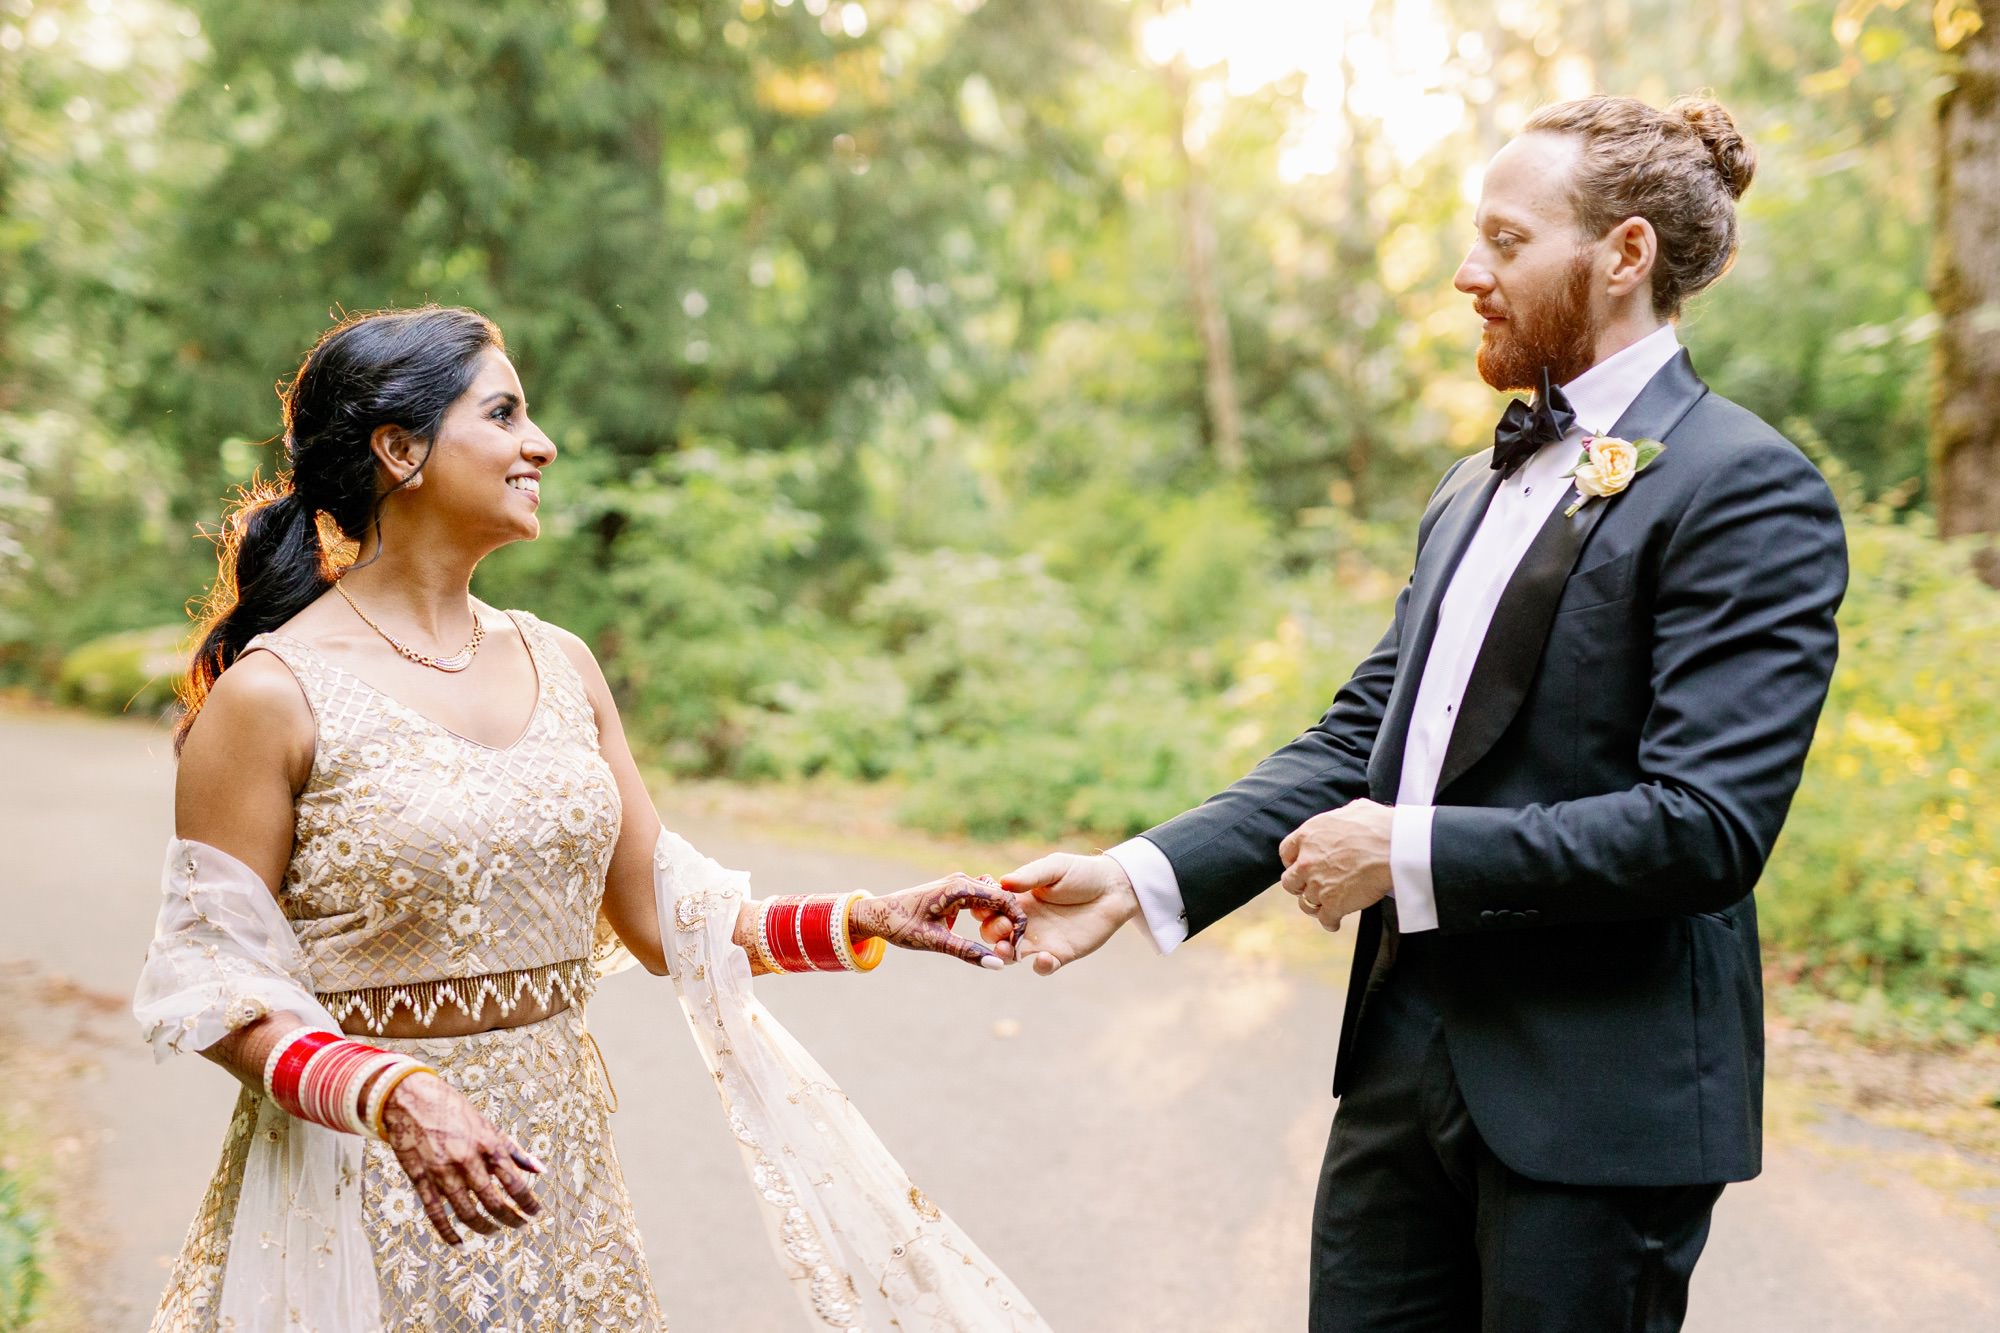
992, 961
530, 1161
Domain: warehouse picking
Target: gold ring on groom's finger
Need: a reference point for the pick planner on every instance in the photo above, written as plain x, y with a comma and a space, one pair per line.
1308, 903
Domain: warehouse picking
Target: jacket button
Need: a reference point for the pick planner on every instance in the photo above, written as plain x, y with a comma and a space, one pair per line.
1532, 915
1487, 918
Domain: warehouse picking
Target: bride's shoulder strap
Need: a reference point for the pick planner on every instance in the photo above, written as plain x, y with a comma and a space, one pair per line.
306, 665
563, 682
340, 701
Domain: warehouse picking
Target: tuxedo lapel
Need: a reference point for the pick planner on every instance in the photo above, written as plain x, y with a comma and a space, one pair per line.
1512, 651
1465, 503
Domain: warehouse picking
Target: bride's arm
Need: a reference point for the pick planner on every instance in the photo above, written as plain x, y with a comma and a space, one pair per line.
917, 918
246, 758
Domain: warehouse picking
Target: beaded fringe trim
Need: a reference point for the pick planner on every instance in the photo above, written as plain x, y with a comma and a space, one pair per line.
572, 978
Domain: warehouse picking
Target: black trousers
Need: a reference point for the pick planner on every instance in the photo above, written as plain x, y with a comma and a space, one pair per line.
1419, 1228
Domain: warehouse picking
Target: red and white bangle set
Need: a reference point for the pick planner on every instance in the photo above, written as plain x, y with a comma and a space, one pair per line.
318, 1075
811, 933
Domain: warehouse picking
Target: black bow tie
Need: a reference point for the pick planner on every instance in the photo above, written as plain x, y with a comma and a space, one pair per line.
1523, 430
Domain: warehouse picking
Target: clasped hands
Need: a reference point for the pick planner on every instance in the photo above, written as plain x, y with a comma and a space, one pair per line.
1335, 863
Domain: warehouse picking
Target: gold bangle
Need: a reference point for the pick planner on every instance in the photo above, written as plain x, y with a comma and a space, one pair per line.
392, 1079
870, 955
366, 1107
764, 954
866, 957
843, 931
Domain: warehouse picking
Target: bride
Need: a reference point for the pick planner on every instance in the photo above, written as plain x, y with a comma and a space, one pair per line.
410, 835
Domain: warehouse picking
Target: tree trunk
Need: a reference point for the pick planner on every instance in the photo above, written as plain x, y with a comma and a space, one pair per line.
1225, 417
1965, 411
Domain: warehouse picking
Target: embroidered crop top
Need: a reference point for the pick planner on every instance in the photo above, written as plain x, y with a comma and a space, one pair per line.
425, 865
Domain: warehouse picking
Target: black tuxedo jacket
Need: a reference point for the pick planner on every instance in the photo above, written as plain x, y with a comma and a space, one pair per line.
1629, 743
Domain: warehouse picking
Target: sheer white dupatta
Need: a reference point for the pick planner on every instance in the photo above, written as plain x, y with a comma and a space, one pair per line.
222, 957
862, 1245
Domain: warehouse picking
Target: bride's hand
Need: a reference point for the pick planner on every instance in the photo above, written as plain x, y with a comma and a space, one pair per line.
457, 1160
923, 917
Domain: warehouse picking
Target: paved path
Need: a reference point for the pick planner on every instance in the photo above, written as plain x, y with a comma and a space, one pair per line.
1135, 1141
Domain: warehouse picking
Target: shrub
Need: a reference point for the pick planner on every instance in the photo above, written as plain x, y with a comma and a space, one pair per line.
133, 672
1886, 883
21, 1278
690, 606
1126, 757
848, 717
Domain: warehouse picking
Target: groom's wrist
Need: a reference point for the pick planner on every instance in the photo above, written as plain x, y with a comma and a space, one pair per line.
1155, 892
1122, 891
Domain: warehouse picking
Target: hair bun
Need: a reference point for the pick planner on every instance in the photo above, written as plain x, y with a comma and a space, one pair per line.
1732, 154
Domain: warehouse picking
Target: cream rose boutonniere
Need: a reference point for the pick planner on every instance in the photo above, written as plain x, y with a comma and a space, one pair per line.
1608, 466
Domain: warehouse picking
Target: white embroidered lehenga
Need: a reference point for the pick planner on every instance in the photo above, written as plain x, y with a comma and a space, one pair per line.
429, 871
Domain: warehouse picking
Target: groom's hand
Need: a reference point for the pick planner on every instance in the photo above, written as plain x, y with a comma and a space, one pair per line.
1074, 904
1338, 862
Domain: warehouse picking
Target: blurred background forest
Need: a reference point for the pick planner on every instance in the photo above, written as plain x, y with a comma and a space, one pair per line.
1025, 405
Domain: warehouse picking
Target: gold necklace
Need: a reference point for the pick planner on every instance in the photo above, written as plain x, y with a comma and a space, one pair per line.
458, 661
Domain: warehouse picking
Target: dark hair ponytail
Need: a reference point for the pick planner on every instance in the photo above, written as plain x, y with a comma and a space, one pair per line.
393, 367
270, 566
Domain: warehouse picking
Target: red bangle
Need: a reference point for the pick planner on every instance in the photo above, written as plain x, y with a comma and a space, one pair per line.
816, 926
809, 933
285, 1078
328, 1088
776, 919
312, 1081
317, 1076
785, 934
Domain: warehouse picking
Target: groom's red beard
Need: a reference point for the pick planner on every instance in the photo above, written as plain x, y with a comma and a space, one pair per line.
1560, 333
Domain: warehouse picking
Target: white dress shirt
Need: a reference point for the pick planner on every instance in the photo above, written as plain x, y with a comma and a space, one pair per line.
1520, 507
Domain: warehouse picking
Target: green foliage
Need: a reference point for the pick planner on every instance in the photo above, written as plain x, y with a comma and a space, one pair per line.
867, 332
86, 544
1887, 879
678, 572
134, 672
21, 1279
1024, 714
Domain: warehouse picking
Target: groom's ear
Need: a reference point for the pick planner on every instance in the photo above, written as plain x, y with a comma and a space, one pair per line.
1629, 250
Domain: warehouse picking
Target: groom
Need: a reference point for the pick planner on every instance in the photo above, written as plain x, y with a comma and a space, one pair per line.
1552, 786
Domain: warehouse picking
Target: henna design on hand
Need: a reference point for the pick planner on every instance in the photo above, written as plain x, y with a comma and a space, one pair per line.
922, 918
453, 1155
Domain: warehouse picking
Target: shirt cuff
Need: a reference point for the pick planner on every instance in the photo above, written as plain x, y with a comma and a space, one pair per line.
1410, 868
1159, 890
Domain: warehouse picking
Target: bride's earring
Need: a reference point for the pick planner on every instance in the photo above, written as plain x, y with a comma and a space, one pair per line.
414, 480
